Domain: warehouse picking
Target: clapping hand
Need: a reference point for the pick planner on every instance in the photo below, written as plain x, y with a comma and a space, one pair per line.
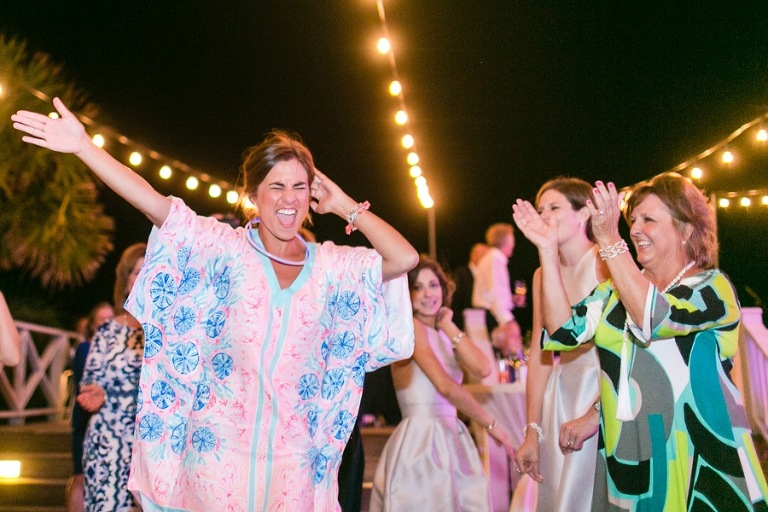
605, 211
542, 234
64, 135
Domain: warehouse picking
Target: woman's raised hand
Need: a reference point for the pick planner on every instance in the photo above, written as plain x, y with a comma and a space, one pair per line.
327, 196
444, 318
605, 211
64, 135
541, 234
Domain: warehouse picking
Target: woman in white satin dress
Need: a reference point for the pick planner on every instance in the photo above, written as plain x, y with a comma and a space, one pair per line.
430, 461
562, 396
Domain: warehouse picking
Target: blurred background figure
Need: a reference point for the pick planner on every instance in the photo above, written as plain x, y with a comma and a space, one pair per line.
98, 315
108, 390
492, 293
464, 277
10, 345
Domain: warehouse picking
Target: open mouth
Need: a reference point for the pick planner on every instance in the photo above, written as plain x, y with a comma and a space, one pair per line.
286, 217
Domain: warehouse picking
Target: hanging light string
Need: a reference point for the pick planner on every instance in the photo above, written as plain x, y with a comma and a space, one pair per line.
723, 199
384, 46
166, 165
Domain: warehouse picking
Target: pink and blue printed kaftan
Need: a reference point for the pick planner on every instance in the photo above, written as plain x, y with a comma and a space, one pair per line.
248, 393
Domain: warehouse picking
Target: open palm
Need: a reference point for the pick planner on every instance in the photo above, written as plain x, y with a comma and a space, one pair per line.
64, 135
541, 234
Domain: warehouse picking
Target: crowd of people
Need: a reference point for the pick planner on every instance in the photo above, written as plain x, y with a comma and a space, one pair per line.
231, 375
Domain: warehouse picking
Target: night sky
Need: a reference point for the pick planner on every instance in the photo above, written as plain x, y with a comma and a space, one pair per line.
502, 96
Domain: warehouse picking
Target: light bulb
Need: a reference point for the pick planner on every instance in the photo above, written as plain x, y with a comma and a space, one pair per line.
383, 45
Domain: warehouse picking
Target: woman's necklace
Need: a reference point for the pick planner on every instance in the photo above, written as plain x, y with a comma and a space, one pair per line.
259, 246
678, 277
623, 406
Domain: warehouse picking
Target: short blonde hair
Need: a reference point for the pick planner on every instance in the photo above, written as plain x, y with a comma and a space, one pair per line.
496, 233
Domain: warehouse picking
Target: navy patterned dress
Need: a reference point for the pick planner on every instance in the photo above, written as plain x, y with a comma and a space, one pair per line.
114, 362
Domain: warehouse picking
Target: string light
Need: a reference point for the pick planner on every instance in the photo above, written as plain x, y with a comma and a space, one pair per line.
135, 159
395, 88
383, 45
214, 191
165, 172
697, 173
762, 135
192, 183
724, 202
98, 140
727, 157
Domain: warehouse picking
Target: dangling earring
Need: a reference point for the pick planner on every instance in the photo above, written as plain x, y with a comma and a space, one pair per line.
685, 242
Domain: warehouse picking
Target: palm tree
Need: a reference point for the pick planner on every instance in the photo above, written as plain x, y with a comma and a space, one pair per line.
52, 226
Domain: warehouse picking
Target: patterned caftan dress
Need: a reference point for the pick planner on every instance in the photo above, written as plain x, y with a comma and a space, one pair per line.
248, 391
688, 445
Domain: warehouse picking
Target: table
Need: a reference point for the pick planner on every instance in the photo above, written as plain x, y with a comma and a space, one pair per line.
506, 403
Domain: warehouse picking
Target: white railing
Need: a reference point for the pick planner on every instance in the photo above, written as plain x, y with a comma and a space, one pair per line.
44, 357
750, 371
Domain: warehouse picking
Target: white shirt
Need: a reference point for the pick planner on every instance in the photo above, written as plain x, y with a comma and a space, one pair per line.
491, 290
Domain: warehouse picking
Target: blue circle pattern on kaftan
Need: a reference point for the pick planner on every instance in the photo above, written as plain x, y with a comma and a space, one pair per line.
221, 284
185, 357
189, 281
222, 365
358, 369
153, 340
312, 421
319, 464
139, 400
332, 382
343, 345
162, 394
203, 440
184, 319
202, 395
162, 290
348, 304
151, 427
308, 386
179, 437
215, 324
342, 425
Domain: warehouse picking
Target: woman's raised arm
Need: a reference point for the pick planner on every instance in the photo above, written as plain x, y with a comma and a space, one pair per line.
67, 135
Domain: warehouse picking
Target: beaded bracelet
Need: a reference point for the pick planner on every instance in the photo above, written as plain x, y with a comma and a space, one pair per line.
537, 428
352, 216
457, 339
614, 250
